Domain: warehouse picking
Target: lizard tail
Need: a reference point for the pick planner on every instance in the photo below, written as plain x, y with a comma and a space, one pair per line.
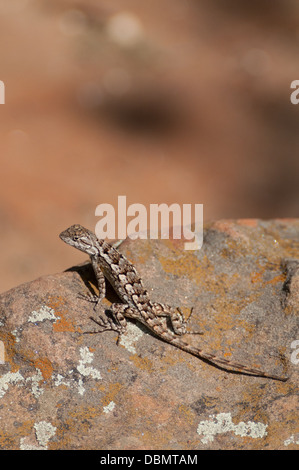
224, 364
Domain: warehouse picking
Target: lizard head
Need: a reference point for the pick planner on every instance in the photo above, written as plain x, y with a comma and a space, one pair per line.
80, 238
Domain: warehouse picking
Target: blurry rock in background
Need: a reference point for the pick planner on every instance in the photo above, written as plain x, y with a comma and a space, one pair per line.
171, 101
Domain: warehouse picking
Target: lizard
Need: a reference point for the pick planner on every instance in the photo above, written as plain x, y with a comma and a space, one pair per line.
109, 263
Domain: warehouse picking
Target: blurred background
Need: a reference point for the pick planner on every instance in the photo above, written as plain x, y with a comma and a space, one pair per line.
161, 101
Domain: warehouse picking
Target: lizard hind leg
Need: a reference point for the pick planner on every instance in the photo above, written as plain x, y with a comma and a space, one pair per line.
176, 317
190, 332
119, 312
106, 322
111, 320
114, 319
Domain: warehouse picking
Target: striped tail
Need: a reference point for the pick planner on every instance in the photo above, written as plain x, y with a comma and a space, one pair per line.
224, 364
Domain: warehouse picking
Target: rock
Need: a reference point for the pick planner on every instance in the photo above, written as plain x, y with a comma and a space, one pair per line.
62, 387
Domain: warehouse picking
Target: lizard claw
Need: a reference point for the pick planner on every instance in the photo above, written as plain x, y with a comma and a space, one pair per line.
89, 297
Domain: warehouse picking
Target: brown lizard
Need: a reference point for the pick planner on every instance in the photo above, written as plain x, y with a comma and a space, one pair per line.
108, 263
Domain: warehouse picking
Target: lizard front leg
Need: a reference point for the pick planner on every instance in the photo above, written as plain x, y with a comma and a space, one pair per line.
99, 277
101, 284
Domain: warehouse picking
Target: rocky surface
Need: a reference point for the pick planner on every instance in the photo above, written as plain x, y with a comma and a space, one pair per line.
64, 388
183, 112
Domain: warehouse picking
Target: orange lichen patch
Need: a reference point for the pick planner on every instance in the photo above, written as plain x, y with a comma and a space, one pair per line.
227, 354
111, 391
142, 363
171, 359
79, 422
188, 265
153, 438
85, 412
225, 320
256, 277
62, 323
57, 303
9, 441
276, 279
186, 414
45, 366
257, 394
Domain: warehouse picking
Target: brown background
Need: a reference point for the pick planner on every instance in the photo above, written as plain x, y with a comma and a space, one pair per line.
161, 101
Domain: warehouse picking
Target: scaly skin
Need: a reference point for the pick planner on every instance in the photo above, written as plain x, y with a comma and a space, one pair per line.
108, 263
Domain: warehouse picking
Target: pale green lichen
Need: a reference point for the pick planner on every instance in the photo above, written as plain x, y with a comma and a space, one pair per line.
222, 423
86, 358
44, 313
133, 333
10, 378
44, 432
110, 407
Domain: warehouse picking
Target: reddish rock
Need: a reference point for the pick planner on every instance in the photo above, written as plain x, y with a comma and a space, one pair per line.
63, 388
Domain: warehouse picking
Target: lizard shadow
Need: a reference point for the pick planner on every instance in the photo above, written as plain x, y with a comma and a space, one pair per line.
87, 275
